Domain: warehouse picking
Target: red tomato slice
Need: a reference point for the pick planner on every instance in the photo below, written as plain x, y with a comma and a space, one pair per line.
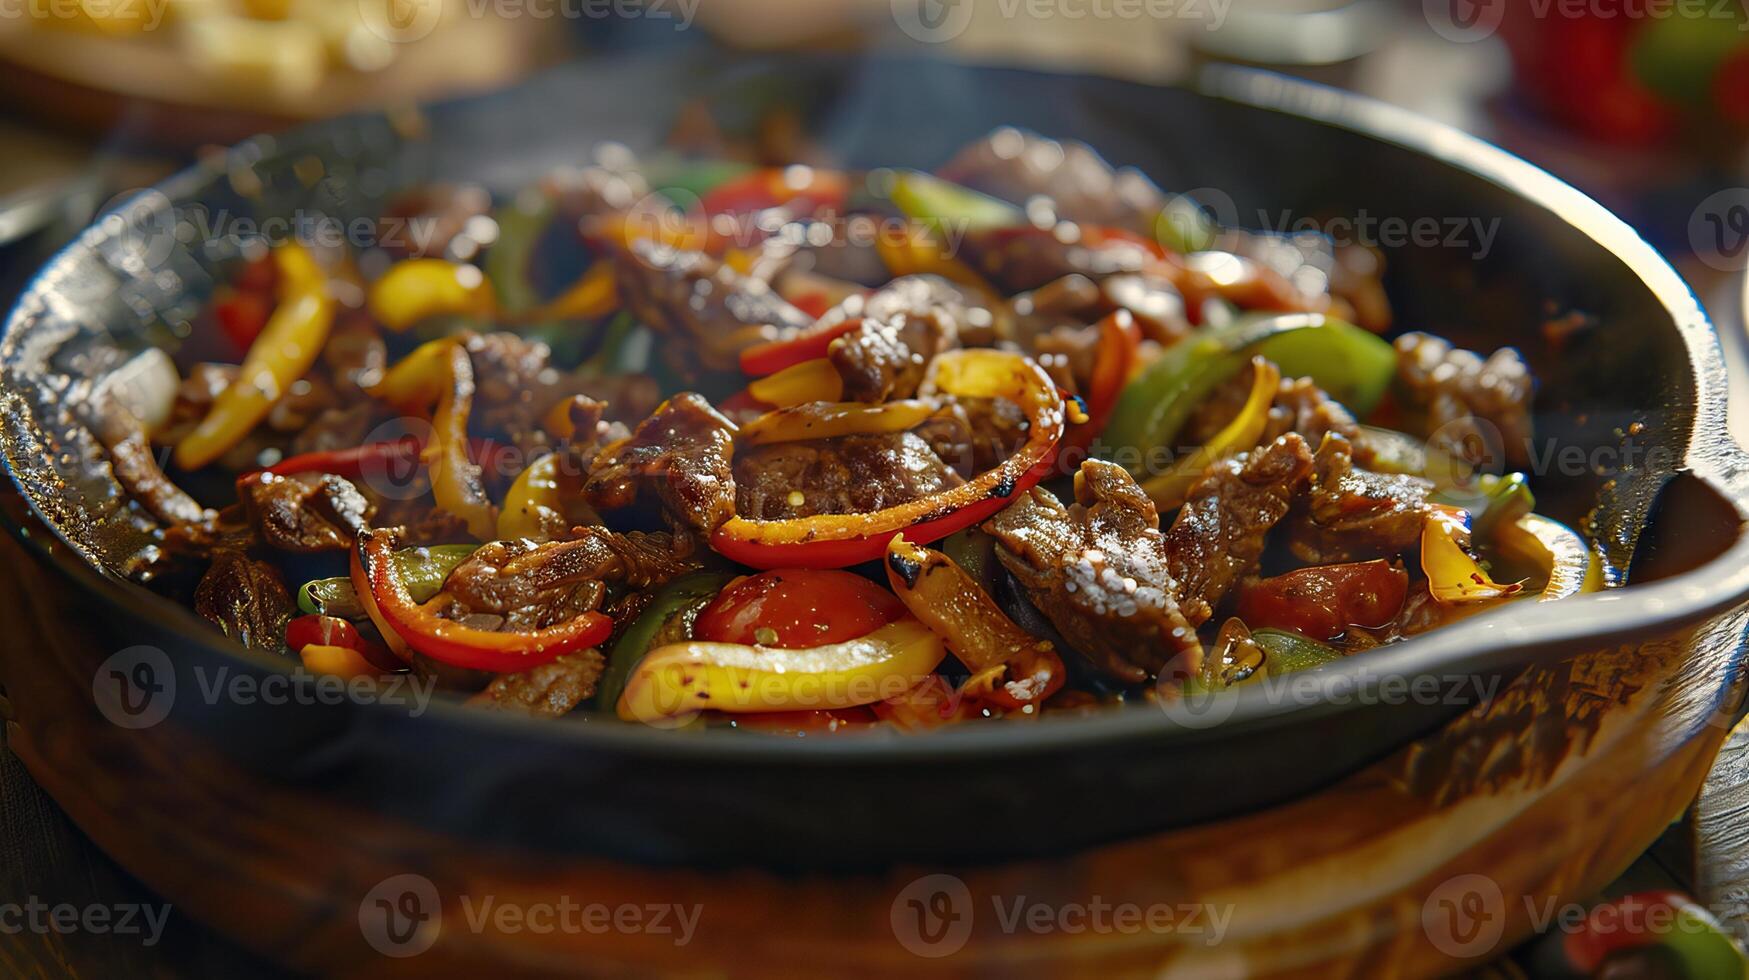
797, 608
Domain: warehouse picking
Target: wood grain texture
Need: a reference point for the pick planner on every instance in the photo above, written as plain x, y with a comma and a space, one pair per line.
1721, 836
1546, 793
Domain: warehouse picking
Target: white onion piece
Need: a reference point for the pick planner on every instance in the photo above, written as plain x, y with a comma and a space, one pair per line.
145, 386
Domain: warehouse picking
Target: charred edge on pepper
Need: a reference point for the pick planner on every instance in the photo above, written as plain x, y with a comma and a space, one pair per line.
905, 567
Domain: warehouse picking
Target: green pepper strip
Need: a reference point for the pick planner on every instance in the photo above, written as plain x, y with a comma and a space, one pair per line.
424, 571
684, 596
1286, 652
1352, 365
508, 260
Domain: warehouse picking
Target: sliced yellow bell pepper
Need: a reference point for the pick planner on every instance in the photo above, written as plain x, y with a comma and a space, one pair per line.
1169, 489
539, 504
1571, 566
682, 232
829, 420
286, 348
810, 381
1453, 577
591, 297
441, 371
916, 253
682, 679
345, 662
414, 289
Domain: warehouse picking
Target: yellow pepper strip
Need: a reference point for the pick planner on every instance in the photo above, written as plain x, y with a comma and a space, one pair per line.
1169, 489
591, 297
1453, 577
414, 289
1571, 566
741, 260
919, 254
319, 658
557, 421
418, 379
810, 381
440, 370
284, 351
684, 678
829, 420
662, 227
1008, 665
540, 507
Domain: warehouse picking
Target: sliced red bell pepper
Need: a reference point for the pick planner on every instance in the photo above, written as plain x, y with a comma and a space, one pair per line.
773, 356
1120, 342
838, 540
814, 304
332, 631
242, 315
353, 461
457, 644
1655, 918
805, 187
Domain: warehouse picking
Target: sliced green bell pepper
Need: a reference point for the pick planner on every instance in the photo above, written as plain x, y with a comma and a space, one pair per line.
424, 570
667, 618
1339, 357
1286, 652
924, 197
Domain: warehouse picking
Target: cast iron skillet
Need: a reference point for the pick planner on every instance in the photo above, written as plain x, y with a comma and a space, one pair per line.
1650, 367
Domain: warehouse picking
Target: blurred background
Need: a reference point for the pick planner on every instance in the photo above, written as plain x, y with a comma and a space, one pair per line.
1643, 103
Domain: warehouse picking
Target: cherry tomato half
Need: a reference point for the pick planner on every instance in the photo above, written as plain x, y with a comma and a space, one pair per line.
797, 609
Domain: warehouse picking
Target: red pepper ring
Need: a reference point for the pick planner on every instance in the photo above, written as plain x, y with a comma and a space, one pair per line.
460, 645
775, 355
838, 540
351, 462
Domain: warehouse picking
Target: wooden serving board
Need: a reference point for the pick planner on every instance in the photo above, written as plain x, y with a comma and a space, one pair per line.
1442, 855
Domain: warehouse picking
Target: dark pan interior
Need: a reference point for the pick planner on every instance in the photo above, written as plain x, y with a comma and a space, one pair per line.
725, 800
